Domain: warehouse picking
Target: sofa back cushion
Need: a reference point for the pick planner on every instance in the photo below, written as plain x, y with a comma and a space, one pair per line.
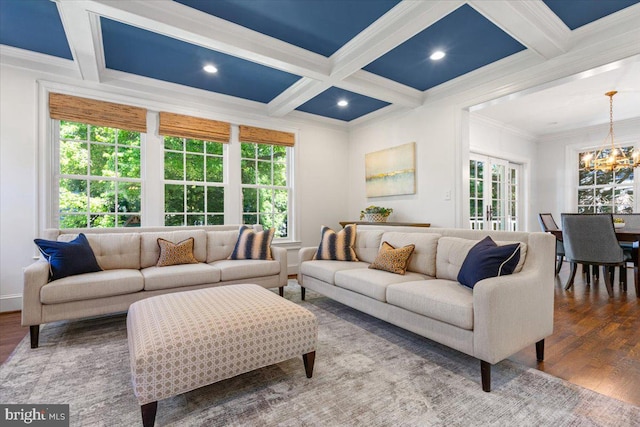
112, 251
220, 244
150, 251
423, 259
452, 252
368, 244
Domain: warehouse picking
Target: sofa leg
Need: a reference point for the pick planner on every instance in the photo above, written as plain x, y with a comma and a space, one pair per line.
34, 333
309, 359
149, 413
485, 372
302, 293
540, 350
281, 291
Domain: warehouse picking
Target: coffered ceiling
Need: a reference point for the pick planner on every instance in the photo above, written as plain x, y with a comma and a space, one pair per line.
301, 57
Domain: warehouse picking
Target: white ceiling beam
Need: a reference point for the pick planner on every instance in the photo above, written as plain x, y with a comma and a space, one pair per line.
193, 26
395, 27
83, 36
532, 23
404, 21
295, 95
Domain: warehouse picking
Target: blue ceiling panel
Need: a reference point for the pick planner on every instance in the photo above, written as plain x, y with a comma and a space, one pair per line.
148, 54
576, 13
326, 104
322, 27
33, 25
469, 40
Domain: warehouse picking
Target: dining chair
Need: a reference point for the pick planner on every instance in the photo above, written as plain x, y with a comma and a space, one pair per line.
591, 239
548, 223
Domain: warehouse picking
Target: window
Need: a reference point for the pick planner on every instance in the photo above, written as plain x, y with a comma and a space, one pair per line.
265, 191
194, 182
99, 176
605, 192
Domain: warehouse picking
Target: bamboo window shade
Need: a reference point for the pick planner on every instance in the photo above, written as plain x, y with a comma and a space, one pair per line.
181, 126
266, 136
97, 113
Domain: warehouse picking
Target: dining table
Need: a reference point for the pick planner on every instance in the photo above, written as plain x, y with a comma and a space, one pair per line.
624, 234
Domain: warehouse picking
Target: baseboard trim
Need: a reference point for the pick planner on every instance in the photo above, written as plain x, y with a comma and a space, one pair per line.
10, 303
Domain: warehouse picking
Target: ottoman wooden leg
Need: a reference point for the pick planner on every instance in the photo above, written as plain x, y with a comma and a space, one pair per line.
149, 413
308, 360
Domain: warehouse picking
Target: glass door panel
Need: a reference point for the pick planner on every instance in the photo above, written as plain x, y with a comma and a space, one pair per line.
493, 194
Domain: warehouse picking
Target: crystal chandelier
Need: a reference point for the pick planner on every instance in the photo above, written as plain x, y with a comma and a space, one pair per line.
610, 158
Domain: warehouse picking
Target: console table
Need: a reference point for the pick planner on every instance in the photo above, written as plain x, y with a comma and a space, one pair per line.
397, 224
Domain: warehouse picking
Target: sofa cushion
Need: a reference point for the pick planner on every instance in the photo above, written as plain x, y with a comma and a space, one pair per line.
220, 244
443, 300
113, 250
175, 276
368, 244
68, 258
326, 270
337, 246
246, 268
253, 244
393, 260
175, 253
423, 259
150, 251
372, 283
486, 259
90, 286
452, 252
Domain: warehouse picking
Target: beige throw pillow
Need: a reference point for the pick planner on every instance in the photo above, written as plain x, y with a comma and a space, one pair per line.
176, 253
393, 260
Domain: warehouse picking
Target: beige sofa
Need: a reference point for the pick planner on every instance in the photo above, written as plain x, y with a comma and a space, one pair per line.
496, 319
128, 258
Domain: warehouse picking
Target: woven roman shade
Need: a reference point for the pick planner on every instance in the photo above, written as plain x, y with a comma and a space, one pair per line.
98, 113
182, 126
266, 136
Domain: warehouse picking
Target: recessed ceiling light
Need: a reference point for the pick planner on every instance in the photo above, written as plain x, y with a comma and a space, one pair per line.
210, 68
343, 103
438, 54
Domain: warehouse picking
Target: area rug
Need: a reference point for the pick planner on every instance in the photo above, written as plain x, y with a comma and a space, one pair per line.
367, 373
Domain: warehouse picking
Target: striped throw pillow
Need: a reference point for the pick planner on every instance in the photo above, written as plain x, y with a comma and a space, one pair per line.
337, 246
252, 244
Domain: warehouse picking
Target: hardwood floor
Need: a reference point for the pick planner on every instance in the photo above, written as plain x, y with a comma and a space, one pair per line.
596, 340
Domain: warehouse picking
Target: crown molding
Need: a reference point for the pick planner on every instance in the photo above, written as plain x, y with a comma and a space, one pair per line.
484, 120
385, 113
29, 60
630, 128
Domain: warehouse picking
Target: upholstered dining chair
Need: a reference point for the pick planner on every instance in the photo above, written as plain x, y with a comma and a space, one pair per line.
631, 220
548, 223
591, 239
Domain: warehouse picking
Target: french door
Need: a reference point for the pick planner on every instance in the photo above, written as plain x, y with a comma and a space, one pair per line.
493, 193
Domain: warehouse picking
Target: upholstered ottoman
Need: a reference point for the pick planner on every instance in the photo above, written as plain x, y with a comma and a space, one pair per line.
182, 341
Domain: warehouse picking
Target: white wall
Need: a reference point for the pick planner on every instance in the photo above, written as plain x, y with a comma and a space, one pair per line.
321, 172
433, 129
557, 153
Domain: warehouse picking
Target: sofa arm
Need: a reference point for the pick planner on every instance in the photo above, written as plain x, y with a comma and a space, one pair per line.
280, 255
305, 254
514, 311
34, 277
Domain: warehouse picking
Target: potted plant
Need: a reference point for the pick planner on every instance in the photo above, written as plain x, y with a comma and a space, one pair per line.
375, 214
618, 222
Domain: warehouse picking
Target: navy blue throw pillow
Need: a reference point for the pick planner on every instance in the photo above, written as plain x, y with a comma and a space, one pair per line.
68, 258
486, 259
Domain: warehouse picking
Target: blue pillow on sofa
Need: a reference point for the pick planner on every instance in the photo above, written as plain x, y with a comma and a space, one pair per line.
486, 259
68, 258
